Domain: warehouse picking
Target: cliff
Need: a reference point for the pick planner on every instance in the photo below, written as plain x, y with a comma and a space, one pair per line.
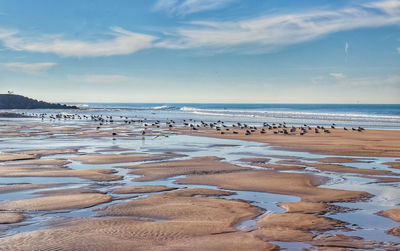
13, 101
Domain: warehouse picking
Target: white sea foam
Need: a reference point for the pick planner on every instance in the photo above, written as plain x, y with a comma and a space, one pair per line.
292, 114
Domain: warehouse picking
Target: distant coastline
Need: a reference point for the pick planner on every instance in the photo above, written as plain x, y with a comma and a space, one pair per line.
13, 101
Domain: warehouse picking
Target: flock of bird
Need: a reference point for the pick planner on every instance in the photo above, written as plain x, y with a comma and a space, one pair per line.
219, 126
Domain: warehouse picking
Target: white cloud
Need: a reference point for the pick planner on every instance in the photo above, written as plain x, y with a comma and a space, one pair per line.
391, 7
361, 82
185, 7
124, 42
338, 76
278, 30
34, 68
99, 78
255, 35
391, 80
398, 50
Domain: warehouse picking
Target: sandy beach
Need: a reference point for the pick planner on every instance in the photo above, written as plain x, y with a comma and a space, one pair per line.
182, 189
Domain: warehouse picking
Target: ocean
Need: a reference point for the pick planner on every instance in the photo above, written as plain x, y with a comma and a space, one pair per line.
379, 116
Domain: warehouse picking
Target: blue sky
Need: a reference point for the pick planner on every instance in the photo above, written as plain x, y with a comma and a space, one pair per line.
228, 51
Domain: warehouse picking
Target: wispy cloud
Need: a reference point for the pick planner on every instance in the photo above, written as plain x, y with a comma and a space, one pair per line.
186, 7
124, 42
34, 68
99, 78
278, 30
259, 35
391, 80
398, 50
338, 76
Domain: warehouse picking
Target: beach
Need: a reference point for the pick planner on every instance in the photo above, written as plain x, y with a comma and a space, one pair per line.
157, 184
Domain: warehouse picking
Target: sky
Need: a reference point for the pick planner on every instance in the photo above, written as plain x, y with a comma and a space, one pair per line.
201, 51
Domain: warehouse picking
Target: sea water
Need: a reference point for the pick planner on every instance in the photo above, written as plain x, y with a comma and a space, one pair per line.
378, 116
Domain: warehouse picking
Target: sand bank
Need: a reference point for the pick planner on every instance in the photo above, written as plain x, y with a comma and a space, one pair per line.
259, 162
128, 233
193, 223
298, 184
393, 214
121, 158
46, 152
377, 143
142, 189
197, 165
56, 171
180, 205
10, 217
347, 169
294, 227
339, 160
393, 164
40, 162
14, 157
305, 207
9, 188
344, 242
394, 231
56, 202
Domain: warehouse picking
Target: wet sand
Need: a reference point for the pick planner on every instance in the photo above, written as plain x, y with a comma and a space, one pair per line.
57, 202
8, 188
46, 152
294, 226
13, 157
120, 158
40, 162
377, 143
181, 205
298, 184
10, 217
199, 165
56, 171
141, 189
346, 169
281, 165
393, 214
121, 233
188, 226
305, 207
395, 165
168, 216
